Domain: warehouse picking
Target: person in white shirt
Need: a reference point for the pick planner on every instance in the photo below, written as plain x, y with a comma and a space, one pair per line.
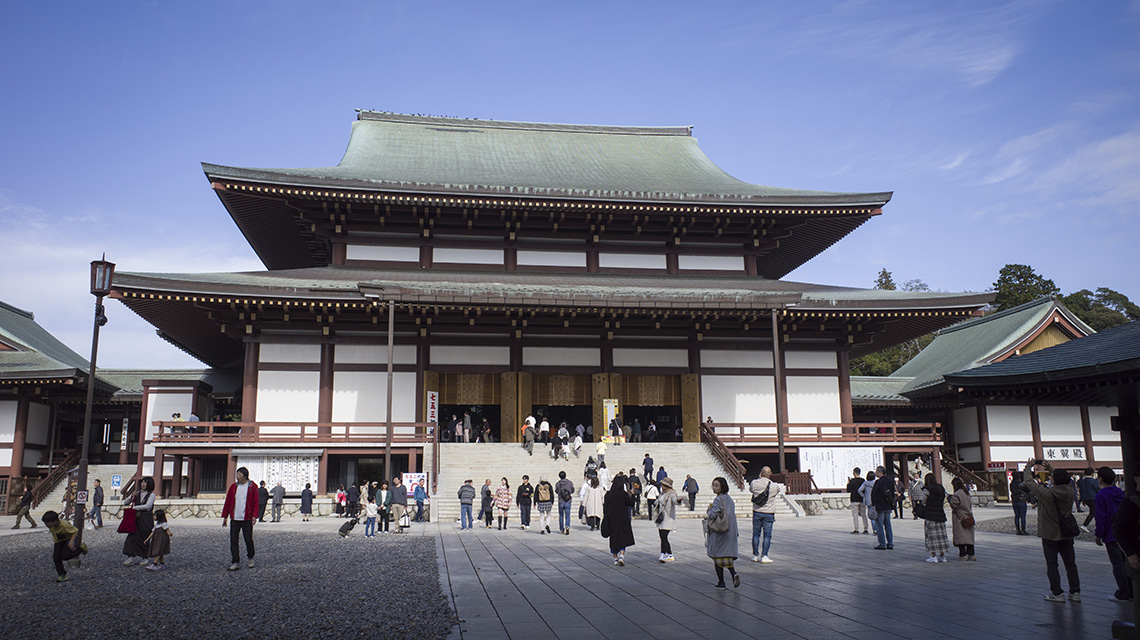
544, 431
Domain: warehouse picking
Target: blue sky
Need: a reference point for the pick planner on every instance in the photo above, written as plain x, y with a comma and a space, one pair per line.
1009, 131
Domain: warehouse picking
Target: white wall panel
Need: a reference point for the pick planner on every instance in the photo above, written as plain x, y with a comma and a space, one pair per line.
734, 399
160, 407
810, 360
736, 359
447, 255
1011, 454
362, 396
632, 260
1009, 423
290, 353
382, 253
966, 425
1106, 454
373, 354
457, 355
287, 396
711, 263
551, 258
651, 358
1060, 423
557, 356
813, 399
1100, 420
39, 416
5, 458
8, 420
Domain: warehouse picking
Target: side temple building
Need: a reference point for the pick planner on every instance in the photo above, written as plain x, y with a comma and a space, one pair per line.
526, 269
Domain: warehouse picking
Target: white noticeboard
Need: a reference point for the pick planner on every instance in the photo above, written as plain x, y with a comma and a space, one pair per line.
831, 466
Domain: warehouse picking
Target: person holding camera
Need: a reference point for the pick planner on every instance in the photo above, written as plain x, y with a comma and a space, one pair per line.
1056, 526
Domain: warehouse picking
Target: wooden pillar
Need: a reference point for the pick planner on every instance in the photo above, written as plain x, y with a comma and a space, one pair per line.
194, 486
510, 425
412, 460
936, 464
511, 259
691, 407
672, 263
322, 472
19, 438
339, 252
1127, 423
159, 458
750, 264
422, 353
325, 395
426, 256
846, 415
599, 390
984, 436
176, 481
249, 383
1035, 429
1086, 431
231, 468
591, 260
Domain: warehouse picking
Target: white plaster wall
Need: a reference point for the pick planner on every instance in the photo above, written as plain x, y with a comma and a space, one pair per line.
160, 406
287, 396
733, 399
8, 422
39, 416
711, 263
736, 359
381, 252
372, 354
966, 425
360, 396
467, 256
971, 454
632, 260
552, 356
5, 458
1100, 421
551, 258
813, 399
290, 353
1060, 423
810, 360
458, 355
1009, 423
1105, 454
1011, 454
651, 358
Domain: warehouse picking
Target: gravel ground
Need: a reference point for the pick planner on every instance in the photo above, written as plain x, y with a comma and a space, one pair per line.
304, 585
1005, 525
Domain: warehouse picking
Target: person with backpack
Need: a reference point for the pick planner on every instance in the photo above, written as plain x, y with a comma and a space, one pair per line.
765, 496
635, 491
651, 495
1057, 527
565, 491
544, 500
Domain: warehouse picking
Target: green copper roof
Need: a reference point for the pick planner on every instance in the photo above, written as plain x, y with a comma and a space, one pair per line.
878, 391
978, 342
37, 353
465, 156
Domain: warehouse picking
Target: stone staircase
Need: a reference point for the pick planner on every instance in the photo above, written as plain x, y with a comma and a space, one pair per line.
103, 473
478, 462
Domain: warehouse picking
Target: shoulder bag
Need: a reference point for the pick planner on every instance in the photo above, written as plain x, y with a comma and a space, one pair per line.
1067, 523
719, 523
128, 524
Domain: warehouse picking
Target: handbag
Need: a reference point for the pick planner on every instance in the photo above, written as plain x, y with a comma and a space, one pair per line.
605, 527
719, 523
1067, 523
128, 524
919, 509
660, 514
968, 522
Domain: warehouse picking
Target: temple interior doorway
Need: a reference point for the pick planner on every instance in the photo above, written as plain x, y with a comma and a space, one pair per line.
667, 418
572, 415
490, 412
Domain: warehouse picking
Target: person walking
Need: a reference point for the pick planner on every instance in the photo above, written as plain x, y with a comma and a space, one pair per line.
661, 473
96, 515
635, 489
523, 499
1126, 530
486, 504
468, 436
916, 496
241, 508
600, 450
370, 513
419, 495
883, 498
158, 542
307, 502
647, 466
1106, 506
503, 502
564, 441
341, 502
765, 496
604, 476
963, 521
466, 498
934, 520
1054, 504
690, 487
384, 507
594, 499
1087, 488
868, 485
858, 507
900, 497
722, 546
1018, 495
565, 490
25, 507
544, 431
666, 518
400, 504
544, 502
278, 501
652, 493
616, 523
263, 501
143, 506
528, 438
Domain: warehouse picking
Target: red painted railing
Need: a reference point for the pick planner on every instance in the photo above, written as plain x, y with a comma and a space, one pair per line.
765, 433
403, 433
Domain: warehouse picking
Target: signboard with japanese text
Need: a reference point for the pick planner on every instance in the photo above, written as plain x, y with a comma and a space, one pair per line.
1063, 454
412, 480
432, 407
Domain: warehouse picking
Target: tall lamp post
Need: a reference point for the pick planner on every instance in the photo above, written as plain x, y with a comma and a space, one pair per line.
101, 274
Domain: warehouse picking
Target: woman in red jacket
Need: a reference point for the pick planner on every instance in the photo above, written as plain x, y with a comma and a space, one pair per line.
241, 509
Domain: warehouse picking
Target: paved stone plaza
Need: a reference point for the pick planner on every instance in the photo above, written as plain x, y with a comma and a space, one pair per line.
825, 583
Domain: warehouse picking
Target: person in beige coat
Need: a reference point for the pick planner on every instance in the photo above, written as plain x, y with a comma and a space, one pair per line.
961, 509
666, 506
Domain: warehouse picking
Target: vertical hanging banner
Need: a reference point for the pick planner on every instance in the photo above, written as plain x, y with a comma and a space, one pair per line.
432, 416
609, 411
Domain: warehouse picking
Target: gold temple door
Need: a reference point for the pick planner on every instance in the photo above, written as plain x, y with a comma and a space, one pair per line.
691, 407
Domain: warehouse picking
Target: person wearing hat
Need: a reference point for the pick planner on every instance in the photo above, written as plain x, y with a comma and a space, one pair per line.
666, 517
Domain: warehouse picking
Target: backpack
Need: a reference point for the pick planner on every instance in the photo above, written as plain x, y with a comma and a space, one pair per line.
542, 493
761, 499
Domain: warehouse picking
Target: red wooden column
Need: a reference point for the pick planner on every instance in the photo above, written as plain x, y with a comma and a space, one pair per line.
249, 383
984, 436
322, 472
231, 468
176, 482
1035, 429
325, 394
20, 437
412, 460
159, 458
846, 415
1086, 430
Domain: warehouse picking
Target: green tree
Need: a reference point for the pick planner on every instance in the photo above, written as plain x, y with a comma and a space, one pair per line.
1018, 284
1102, 310
885, 281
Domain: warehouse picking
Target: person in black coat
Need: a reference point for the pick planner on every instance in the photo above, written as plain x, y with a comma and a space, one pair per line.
307, 502
263, 501
616, 522
1126, 529
353, 498
883, 498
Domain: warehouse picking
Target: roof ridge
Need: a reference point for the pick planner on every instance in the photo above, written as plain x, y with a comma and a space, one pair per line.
995, 316
27, 314
451, 121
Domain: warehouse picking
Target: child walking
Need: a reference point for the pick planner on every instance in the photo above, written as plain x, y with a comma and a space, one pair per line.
370, 518
65, 538
158, 542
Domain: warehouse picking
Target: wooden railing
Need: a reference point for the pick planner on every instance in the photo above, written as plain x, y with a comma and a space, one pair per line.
176, 433
797, 482
968, 476
765, 433
731, 464
48, 484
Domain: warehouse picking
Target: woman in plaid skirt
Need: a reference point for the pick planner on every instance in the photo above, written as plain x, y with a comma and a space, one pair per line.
934, 530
